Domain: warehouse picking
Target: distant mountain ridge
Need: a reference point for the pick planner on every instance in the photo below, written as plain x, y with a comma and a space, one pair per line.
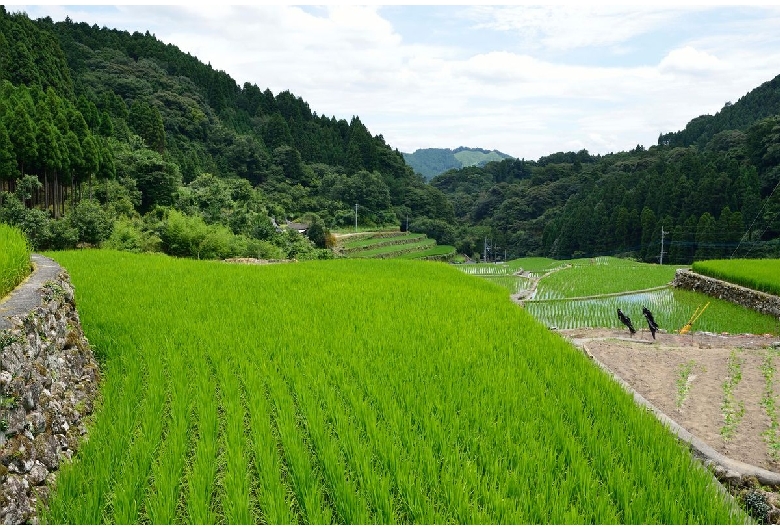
434, 161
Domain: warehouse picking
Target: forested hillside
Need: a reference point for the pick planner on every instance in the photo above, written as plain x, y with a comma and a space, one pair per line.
712, 189
113, 138
119, 140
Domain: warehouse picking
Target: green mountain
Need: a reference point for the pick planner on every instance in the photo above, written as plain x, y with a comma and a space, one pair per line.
712, 190
761, 102
117, 139
431, 162
148, 136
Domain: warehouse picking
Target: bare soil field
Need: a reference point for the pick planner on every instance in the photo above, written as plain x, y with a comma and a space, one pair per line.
656, 369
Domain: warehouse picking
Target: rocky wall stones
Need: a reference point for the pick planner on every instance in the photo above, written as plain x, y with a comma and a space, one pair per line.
756, 300
48, 383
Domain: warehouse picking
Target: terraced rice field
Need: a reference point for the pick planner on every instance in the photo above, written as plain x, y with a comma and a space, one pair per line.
586, 293
441, 251
760, 274
380, 239
395, 250
672, 309
354, 392
394, 245
601, 276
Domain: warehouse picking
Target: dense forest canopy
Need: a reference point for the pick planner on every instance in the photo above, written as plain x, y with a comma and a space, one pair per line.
137, 136
118, 139
719, 200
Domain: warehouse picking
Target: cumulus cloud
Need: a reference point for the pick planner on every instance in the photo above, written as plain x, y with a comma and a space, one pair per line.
525, 80
690, 60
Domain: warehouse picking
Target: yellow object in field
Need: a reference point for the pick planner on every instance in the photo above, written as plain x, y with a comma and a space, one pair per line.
696, 314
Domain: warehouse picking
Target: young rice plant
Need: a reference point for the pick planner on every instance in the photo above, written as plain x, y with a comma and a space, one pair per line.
759, 274
353, 392
14, 258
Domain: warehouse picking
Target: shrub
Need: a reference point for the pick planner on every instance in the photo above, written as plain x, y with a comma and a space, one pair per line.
91, 220
130, 236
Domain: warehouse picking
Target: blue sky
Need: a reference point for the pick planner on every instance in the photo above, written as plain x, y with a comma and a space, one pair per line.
526, 80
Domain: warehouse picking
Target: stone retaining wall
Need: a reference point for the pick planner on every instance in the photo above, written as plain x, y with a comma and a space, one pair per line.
48, 381
761, 302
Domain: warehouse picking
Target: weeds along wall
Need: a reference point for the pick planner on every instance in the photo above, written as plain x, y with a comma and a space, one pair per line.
48, 380
756, 300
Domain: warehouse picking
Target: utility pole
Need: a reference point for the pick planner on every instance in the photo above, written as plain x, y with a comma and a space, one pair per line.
662, 244
356, 206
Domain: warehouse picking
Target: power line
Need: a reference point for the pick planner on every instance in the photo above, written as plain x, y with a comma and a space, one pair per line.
756, 218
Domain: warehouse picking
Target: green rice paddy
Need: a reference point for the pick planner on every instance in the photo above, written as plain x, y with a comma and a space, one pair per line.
588, 293
760, 274
353, 392
603, 276
438, 250
14, 258
393, 250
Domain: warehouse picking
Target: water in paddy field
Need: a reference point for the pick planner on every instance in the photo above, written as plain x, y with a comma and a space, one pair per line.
602, 312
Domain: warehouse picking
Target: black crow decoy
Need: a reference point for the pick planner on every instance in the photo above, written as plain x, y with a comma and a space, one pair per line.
650, 321
627, 321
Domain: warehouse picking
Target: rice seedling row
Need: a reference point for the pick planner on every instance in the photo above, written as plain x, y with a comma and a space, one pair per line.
306, 483
412, 504
381, 241
372, 502
349, 506
164, 494
235, 502
394, 249
203, 470
438, 250
733, 411
137, 461
769, 404
672, 309
354, 392
272, 491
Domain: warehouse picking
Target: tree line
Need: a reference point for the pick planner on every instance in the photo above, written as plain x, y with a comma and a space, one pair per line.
117, 139
715, 201
132, 128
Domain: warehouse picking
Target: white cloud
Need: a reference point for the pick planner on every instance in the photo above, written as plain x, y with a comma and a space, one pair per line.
690, 60
569, 27
528, 99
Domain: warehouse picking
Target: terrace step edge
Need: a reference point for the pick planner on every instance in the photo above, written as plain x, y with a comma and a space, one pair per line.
760, 301
49, 381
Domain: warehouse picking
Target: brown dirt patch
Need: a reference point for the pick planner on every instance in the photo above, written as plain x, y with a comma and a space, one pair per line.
652, 368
